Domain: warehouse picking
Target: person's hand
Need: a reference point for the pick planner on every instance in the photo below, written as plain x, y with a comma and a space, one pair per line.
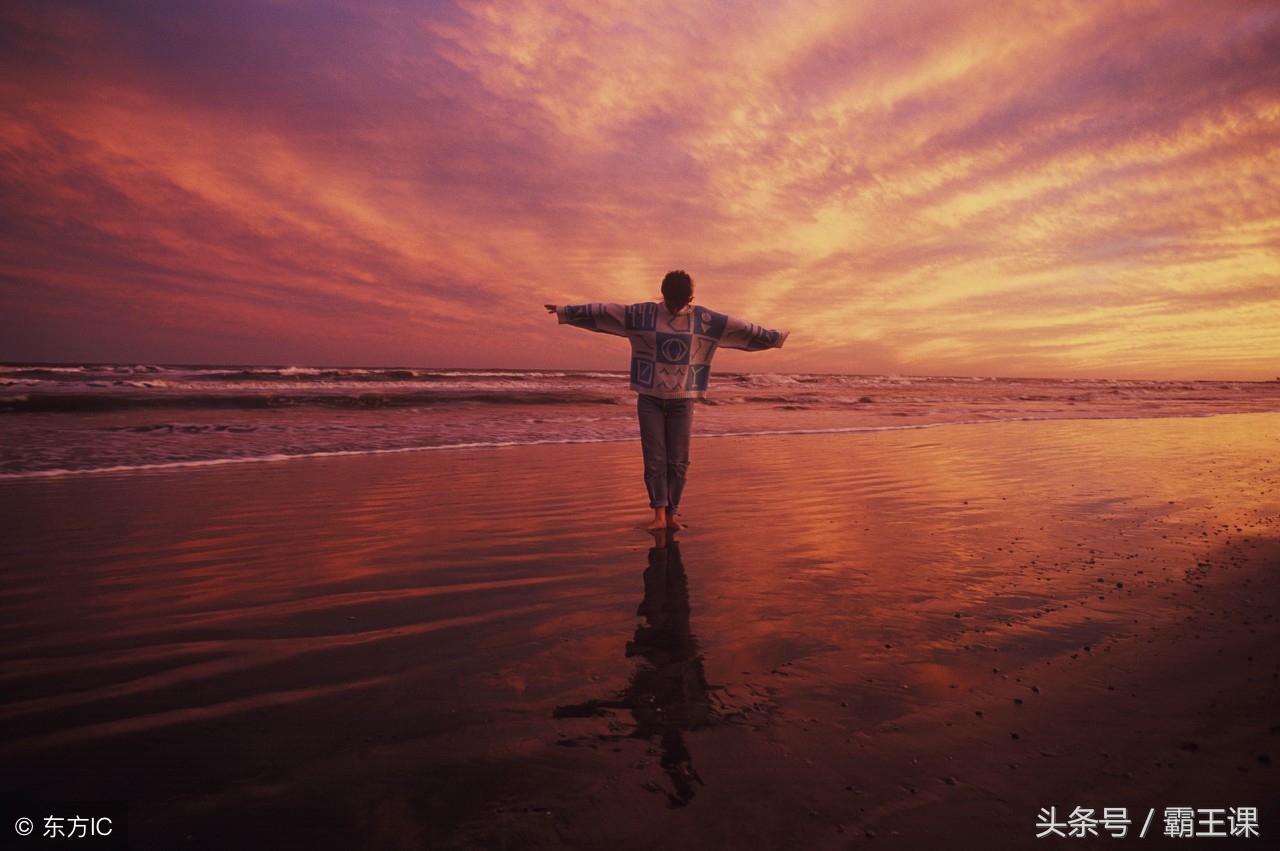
551, 308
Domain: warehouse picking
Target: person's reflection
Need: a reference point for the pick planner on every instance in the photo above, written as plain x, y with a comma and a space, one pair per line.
667, 694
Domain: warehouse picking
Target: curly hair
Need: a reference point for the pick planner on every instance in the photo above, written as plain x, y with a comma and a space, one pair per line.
677, 288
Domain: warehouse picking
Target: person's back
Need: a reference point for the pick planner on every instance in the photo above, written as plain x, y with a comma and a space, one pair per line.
672, 345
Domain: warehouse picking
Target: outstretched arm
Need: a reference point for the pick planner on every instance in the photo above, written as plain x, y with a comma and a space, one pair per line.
605, 318
740, 334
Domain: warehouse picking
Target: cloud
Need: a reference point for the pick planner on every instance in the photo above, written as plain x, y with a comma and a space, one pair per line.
955, 187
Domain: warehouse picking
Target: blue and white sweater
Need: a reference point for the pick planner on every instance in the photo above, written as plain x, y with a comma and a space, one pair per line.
671, 353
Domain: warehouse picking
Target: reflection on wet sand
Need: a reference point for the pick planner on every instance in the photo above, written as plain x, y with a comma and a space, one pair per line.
367, 652
667, 694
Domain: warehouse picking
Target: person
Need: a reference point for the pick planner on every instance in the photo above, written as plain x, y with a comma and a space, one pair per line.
672, 344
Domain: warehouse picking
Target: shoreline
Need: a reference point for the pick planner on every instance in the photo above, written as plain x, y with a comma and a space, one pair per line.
467, 447
467, 649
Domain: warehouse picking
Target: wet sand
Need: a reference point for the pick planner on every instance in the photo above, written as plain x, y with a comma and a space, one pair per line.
911, 639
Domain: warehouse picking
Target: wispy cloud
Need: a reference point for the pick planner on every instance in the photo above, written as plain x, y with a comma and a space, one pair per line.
1068, 188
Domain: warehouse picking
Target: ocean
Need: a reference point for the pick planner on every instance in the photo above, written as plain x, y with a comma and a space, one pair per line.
81, 419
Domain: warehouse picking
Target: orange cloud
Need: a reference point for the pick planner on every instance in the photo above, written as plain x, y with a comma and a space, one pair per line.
1075, 189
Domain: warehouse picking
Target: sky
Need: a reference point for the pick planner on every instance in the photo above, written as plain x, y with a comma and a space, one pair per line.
1051, 189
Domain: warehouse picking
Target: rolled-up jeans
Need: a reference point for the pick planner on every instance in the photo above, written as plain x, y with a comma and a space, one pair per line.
666, 426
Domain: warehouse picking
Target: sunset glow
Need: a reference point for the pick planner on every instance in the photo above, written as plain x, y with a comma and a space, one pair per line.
1065, 189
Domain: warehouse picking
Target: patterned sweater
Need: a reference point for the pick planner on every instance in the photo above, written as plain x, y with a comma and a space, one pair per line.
670, 354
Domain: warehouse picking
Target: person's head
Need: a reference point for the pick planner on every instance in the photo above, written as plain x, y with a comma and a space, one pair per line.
677, 289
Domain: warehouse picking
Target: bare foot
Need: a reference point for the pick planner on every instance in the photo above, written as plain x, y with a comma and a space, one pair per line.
674, 524
659, 520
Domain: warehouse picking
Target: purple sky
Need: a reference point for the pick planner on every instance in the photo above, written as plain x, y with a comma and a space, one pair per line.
1053, 189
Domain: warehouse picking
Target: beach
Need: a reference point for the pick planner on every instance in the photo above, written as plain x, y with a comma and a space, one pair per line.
916, 638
